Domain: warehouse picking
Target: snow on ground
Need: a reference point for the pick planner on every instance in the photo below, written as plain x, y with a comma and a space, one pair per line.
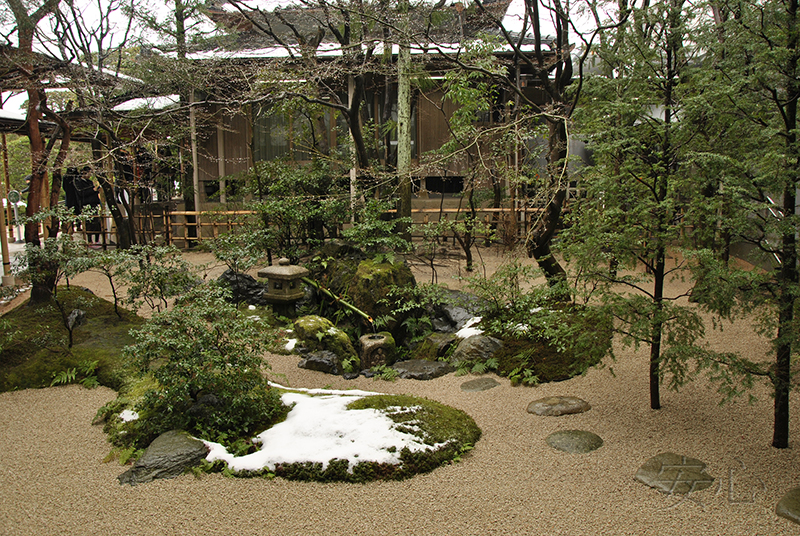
319, 428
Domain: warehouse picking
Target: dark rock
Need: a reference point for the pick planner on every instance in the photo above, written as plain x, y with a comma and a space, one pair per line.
789, 506
554, 406
244, 288
76, 318
481, 384
203, 404
168, 456
442, 325
476, 348
420, 369
574, 441
459, 308
673, 473
322, 361
351, 375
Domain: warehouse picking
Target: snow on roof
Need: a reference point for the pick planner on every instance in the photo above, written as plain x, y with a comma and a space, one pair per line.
320, 429
14, 115
149, 103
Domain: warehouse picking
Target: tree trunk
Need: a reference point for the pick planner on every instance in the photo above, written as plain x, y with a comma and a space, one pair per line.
788, 284
539, 239
404, 137
124, 239
657, 327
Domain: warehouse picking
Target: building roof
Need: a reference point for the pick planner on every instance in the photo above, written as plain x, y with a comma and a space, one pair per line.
279, 28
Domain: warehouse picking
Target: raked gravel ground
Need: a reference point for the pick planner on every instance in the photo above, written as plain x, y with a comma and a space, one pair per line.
53, 479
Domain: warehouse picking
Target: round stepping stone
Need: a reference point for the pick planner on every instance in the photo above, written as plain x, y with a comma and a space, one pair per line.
554, 406
673, 473
574, 441
789, 506
481, 384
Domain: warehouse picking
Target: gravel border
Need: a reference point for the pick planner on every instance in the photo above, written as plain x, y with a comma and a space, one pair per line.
55, 482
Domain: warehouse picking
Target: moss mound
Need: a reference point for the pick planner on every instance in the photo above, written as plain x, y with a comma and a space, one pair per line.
546, 362
36, 343
449, 433
564, 344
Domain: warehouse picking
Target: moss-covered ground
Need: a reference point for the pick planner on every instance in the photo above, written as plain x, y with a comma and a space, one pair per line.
35, 341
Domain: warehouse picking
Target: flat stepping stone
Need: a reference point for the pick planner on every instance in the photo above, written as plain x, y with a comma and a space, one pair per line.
789, 506
574, 441
554, 406
481, 384
673, 473
421, 369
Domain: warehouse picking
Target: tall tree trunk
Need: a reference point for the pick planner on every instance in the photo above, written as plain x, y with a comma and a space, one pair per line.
657, 328
124, 239
404, 130
789, 276
540, 237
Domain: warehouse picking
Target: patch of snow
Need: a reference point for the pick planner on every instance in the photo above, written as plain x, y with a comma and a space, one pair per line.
251, 307
319, 429
128, 415
290, 344
348, 392
468, 330
149, 103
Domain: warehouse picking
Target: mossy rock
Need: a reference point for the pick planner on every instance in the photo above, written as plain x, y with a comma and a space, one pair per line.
434, 346
548, 363
372, 283
317, 333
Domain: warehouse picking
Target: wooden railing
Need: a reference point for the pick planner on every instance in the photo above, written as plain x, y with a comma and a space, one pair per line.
184, 228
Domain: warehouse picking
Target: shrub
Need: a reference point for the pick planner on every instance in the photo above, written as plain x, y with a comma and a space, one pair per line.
207, 361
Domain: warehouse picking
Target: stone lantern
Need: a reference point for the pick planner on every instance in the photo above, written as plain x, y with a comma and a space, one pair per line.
284, 283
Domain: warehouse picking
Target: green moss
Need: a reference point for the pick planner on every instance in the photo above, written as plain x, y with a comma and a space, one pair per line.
38, 345
546, 362
435, 422
318, 333
373, 282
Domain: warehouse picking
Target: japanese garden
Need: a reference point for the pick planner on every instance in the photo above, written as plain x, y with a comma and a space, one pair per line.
399, 267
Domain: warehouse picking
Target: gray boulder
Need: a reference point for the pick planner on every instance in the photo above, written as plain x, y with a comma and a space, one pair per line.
168, 456
321, 361
458, 310
476, 348
422, 369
